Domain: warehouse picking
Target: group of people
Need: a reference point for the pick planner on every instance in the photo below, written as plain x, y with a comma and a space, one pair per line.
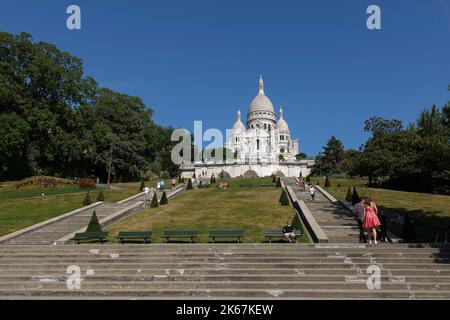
369, 219
310, 187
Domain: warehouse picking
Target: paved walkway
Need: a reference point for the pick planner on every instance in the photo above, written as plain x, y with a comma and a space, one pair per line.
51, 232
337, 222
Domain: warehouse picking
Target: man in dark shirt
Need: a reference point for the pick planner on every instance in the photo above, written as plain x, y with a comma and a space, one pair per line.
289, 233
358, 211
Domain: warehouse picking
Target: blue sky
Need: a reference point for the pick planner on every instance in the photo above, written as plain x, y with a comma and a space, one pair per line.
200, 59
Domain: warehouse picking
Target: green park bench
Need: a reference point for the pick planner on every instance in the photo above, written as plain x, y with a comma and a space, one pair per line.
192, 234
133, 235
268, 184
278, 234
203, 185
245, 184
226, 234
100, 236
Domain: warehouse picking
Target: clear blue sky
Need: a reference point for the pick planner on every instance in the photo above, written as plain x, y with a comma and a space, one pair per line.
198, 60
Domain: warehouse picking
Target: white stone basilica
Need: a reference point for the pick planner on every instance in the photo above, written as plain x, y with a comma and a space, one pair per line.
263, 138
261, 147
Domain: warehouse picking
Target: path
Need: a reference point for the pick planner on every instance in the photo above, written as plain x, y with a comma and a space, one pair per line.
337, 222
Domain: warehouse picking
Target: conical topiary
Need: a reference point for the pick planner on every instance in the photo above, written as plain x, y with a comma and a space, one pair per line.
100, 196
180, 179
327, 182
189, 185
348, 197
278, 185
87, 199
355, 196
284, 198
301, 175
142, 186
163, 199
274, 179
154, 202
94, 225
308, 179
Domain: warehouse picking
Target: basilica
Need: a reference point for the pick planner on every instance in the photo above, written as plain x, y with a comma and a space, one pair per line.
261, 147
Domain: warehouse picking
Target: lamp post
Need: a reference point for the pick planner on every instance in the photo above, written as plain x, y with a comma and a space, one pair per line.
109, 168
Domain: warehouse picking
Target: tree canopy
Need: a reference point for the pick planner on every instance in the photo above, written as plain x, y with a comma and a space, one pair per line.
54, 120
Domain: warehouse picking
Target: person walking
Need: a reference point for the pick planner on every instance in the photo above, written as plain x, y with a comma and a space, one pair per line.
312, 192
371, 221
358, 211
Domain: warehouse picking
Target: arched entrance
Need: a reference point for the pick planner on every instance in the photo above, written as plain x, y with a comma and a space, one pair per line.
250, 174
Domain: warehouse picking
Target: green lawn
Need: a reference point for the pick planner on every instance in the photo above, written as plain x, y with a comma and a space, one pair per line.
428, 211
23, 207
252, 209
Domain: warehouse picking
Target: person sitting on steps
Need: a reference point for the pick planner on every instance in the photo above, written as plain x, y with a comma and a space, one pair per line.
289, 232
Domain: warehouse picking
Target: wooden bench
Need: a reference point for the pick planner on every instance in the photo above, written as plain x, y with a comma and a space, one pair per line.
203, 185
267, 184
226, 234
192, 234
132, 235
100, 236
270, 234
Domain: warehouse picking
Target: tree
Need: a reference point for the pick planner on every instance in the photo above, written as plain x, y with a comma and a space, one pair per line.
163, 200
301, 156
189, 185
284, 200
327, 182
278, 185
94, 225
87, 199
349, 197
100, 196
329, 161
154, 203
355, 196
142, 186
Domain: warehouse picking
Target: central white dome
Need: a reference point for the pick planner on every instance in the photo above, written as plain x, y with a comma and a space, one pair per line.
261, 102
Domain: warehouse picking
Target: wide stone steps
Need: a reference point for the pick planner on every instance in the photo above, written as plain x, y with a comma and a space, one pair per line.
225, 271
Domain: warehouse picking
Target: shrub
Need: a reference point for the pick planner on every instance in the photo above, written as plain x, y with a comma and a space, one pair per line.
180, 179
355, 196
348, 197
274, 179
87, 183
142, 186
308, 179
278, 185
154, 203
327, 182
87, 199
94, 225
163, 199
100, 196
318, 182
408, 232
212, 180
300, 175
46, 182
165, 175
284, 198
189, 185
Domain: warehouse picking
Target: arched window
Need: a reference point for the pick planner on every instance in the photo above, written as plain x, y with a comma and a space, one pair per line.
257, 144
265, 125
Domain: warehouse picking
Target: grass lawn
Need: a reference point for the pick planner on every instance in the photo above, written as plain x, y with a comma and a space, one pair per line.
252, 209
428, 211
23, 207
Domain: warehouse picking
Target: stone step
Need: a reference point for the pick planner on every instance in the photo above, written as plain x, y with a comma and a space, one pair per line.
227, 294
87, 284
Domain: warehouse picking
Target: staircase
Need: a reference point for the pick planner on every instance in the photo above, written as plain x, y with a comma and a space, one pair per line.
336, 221
244, 271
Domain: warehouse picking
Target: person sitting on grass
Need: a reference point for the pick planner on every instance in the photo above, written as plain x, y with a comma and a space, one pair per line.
289, 232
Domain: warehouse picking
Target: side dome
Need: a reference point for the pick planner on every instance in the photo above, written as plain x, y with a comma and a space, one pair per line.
282, 125
238, 125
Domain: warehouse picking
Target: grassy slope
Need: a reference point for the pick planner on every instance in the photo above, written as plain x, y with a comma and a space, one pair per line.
252, 209
20, 208
428, 211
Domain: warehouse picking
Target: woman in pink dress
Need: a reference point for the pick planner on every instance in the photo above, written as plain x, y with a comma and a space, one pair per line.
371, 221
